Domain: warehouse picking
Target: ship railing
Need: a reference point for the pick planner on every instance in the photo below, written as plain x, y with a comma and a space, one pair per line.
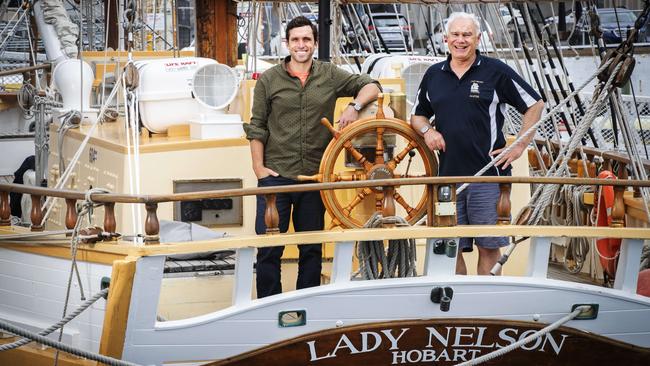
151, 202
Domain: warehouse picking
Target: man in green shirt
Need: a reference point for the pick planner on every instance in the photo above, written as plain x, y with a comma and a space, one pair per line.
287, 140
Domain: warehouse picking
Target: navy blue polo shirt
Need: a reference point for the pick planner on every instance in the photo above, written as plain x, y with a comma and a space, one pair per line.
469, 112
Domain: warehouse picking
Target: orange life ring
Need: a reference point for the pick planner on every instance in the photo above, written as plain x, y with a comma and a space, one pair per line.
607, 248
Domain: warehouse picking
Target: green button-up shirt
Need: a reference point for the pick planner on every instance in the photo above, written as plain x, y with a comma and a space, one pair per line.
286, 116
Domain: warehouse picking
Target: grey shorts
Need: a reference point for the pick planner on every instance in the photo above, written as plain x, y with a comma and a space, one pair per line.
477, 205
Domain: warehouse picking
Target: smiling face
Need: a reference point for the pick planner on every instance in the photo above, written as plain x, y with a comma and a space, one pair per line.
301, 44
463, 39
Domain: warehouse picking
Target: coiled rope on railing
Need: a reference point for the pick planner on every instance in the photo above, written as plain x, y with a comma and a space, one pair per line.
59, 324
398, 261
530, 338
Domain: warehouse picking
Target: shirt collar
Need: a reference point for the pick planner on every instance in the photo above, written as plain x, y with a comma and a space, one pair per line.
286, 60
477, 62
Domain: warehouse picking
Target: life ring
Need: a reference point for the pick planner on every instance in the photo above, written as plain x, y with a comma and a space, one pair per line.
607, 248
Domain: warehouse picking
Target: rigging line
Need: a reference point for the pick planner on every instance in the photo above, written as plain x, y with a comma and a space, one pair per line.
346, 14
558, 52
410, 32
638, 115
428, 29
533, 128
11, 33
63, 179
540, 87
32, 51
560, 85
401, 32
494, 14
107, 23
365, 32
380, 39
638, 170
559, 167
547, 79
65, 320
62, 346
490, 40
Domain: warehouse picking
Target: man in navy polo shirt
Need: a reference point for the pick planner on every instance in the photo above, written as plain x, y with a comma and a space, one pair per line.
459, 111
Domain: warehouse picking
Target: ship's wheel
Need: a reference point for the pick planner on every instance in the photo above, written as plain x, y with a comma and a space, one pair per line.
377, 148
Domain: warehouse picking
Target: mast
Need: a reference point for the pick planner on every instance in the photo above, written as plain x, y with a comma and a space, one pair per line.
324, 23
216, 30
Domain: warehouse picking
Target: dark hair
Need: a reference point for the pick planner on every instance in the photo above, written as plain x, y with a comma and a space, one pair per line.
301, 21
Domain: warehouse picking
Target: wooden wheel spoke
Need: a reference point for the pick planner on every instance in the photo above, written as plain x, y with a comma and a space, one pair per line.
359, 197
358, 156
379, 150
346, 177
401, 155
398, 197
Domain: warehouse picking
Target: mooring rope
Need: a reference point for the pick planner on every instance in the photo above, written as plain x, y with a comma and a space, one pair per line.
6, 326
530, 338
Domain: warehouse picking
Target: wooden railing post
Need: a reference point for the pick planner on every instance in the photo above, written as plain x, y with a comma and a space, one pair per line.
618, 210
151, 224
389, 202
110, 225
37, 213
5, 209
271, 217
70, 213
503, 204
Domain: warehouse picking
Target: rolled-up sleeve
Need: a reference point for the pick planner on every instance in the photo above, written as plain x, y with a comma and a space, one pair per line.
257, 129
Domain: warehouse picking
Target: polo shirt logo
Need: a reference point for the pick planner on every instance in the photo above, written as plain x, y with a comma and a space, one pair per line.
473, 90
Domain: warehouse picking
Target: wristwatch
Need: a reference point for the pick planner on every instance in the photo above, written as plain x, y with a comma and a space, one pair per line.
424, 129
356, 105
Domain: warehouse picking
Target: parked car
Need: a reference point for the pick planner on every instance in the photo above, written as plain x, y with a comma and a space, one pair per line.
393, 29
507, 18
615, 24
440, 39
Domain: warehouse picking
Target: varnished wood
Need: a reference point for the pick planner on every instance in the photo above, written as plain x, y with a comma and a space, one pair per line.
216, 30
238, 192
533, 161
618, 210
5, 209
592, 169
271, 217
37, 213
503, 204
388, 208
70, 213
117, 308
581, 169
110, 224
606, 155
151, 224
573, 165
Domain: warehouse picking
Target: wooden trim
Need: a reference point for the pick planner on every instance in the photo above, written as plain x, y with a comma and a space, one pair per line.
84, 254
117, 308
415, 232
238, 192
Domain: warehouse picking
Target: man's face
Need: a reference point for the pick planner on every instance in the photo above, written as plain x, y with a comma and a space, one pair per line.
463, 39
301, 44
